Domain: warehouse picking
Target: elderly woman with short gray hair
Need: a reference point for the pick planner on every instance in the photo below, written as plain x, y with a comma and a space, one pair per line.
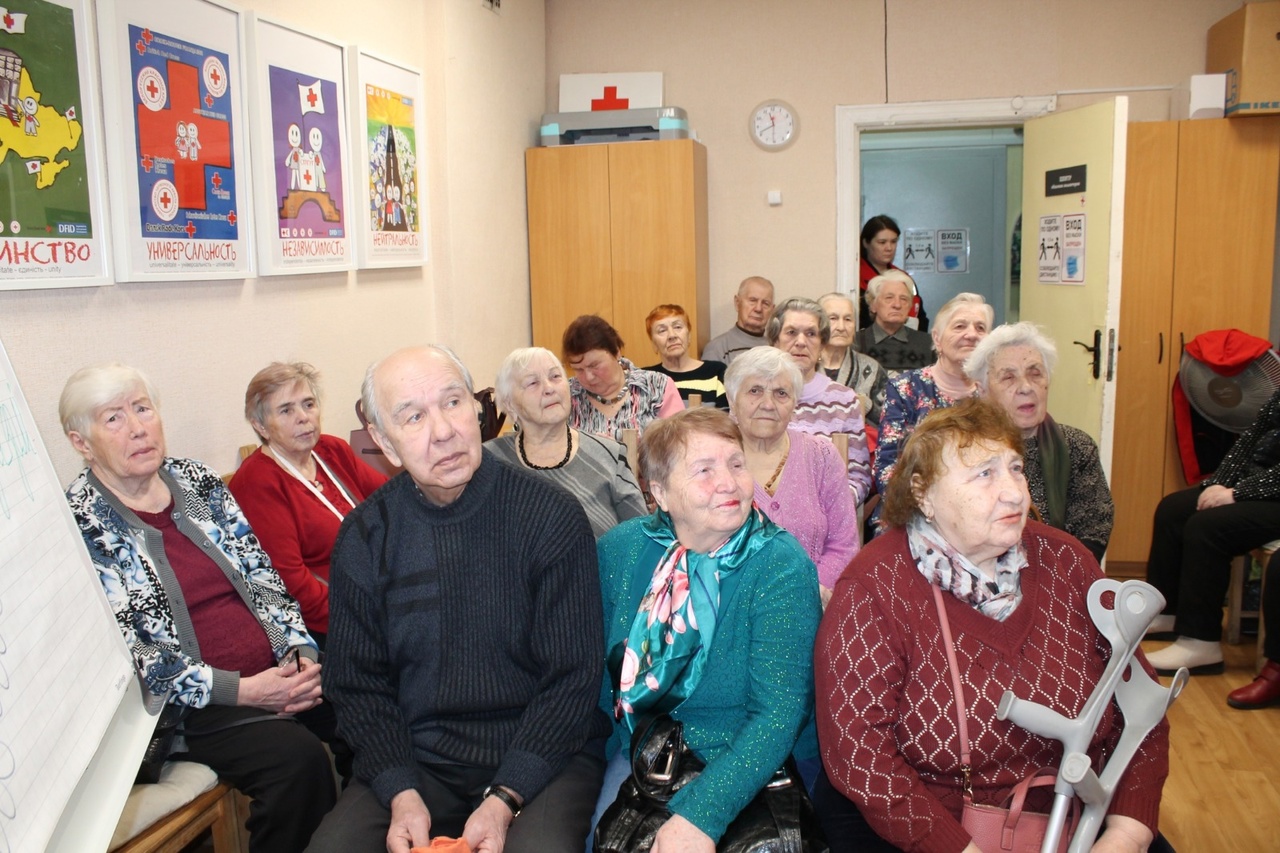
799, 479
800, 328
532, 388
1013, 367
957, 328
299, 485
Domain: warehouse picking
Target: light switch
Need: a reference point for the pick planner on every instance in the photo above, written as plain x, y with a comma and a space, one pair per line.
775, 198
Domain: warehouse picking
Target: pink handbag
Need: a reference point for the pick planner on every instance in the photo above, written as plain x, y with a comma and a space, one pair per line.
1007, 828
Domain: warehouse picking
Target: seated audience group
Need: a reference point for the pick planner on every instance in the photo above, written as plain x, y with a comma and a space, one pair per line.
498, 624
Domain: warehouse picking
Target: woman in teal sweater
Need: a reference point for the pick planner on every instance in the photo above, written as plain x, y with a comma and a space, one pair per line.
729, 608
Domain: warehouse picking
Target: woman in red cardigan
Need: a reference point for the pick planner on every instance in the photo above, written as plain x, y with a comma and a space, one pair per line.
298, 486
1015, 597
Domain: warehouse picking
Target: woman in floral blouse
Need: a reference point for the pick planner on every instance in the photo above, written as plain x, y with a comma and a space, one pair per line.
608, 393
957, 328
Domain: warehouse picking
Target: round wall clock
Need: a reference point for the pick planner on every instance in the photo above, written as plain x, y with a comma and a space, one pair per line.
774, 125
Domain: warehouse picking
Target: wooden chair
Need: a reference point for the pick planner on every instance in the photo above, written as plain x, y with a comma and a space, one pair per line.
631, 440
245, 451
1240, 569
221, 810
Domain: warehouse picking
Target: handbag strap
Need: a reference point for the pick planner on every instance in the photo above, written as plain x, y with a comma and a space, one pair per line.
966, 785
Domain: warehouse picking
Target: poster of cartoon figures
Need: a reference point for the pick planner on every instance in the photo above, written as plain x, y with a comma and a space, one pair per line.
308, 153
173, 73
386, 128
52, 230
301, 156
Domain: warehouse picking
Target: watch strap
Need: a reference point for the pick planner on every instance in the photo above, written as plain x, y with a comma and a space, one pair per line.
502, 794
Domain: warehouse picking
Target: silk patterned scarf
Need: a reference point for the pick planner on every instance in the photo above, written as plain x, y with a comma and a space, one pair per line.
660, 662
942, 565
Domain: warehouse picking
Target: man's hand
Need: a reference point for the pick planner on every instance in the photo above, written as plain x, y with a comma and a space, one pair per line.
288, 689
410, 822
486, 829
677, 835
1215, 496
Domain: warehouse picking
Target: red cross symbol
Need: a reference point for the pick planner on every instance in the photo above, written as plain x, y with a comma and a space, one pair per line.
164, 199
8, 21
311, 96
231, 218
215, 76
155, 135
48, 228
146, 163
141, 46
610, 101
152, 89
146, 36
216, 180
306, 176
190, 229
208, 100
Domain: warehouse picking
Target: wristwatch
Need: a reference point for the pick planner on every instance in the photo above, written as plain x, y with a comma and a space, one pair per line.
501, 794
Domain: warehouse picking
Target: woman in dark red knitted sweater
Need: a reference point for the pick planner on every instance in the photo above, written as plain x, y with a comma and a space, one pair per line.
886, 710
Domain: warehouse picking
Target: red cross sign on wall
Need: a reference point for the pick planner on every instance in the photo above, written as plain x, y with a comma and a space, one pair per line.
610, 101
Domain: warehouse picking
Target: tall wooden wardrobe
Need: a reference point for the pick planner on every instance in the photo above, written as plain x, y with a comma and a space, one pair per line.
616, 229
1199, 254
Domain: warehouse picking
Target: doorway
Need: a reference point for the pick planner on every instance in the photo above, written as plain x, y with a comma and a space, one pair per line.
853, 121
959, 189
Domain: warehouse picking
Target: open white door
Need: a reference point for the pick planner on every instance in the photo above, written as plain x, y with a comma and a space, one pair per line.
1072, 228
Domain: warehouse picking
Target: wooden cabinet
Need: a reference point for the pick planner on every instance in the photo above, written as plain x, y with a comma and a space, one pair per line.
616, 229
1199, 254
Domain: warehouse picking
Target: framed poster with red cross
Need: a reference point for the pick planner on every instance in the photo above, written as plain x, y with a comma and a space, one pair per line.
174, 84
301, 161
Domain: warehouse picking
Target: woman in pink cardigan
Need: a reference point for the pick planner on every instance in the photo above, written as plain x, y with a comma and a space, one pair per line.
298, 486
800, 480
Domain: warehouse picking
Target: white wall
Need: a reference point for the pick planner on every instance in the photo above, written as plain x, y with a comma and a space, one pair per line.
201, 342
488, 79
722, 57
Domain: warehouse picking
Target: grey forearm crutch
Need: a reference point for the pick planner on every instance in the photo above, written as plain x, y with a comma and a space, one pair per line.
1142, 699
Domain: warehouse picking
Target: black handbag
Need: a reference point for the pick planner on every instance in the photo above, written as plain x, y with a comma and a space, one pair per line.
780, 819
161, 744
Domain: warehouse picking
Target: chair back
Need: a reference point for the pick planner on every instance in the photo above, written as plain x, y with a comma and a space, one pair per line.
631, 440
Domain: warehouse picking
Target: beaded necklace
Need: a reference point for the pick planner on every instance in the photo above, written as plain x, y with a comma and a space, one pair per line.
568, 451
607, 401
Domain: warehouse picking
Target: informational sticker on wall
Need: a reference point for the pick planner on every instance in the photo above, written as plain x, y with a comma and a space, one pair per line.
1049, 257
1073, 248
918, 253
953, 250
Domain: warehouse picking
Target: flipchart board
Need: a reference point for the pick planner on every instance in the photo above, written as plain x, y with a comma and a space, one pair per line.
72, 725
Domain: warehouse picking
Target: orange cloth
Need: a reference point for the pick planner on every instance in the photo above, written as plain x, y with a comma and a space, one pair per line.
440, 844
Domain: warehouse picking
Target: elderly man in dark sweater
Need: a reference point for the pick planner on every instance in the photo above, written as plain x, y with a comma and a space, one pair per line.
465, 637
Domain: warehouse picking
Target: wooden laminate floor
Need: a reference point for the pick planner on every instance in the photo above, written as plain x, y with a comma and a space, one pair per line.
1223, 792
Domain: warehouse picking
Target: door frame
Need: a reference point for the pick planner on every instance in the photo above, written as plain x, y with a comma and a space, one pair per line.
922, 115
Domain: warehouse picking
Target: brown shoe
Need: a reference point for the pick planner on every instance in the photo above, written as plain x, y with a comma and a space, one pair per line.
1263, 692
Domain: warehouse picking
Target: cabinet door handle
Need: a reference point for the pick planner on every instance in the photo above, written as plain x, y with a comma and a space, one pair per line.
1160, 357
